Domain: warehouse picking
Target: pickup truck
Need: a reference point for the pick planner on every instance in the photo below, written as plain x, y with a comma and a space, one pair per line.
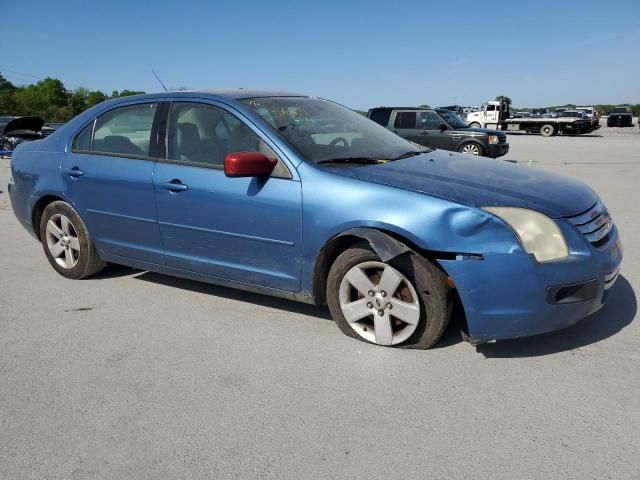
620, 117
495, 114
439, 128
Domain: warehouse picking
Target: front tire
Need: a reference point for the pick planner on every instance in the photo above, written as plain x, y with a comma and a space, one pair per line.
475, 125
404, 303
471, 148
67, 243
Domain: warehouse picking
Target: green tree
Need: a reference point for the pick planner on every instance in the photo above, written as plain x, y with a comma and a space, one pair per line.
7, 102
125, 93
502, 98
78, 100
424, 106
95, 97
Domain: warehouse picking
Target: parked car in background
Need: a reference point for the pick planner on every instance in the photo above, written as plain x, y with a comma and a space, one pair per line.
591, 113
620, 117
15, 130
453, 108
574, 114
439, 128
302, 198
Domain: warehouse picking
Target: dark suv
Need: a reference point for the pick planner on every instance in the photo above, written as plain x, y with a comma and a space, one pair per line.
439, 128
620, 117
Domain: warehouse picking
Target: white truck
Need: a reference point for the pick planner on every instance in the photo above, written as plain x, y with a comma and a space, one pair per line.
495, 115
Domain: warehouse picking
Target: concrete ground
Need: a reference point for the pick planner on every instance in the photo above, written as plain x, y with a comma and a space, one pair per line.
137, 375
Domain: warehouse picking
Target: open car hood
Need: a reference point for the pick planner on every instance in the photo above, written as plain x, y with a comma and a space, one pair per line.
18, 126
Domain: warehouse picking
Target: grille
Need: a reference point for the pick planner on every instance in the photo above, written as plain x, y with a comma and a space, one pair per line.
502, 139
595, 224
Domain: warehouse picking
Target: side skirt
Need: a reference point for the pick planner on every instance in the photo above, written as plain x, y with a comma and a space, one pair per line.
201, 277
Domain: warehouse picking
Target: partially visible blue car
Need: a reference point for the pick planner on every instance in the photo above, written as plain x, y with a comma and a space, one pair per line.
302, 198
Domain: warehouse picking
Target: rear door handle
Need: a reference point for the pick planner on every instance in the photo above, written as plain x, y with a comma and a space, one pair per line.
73, 172
174, 185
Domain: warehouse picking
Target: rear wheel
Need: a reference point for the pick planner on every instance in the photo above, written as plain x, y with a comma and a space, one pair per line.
475, 125
547, 130
67, 243
405, 304
471, 148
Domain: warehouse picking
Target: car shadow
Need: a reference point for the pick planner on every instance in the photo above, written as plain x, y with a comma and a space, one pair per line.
524, 134
619, 311
235, 294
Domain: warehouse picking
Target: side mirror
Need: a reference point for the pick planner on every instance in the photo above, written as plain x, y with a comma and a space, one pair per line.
248, 164
443, 127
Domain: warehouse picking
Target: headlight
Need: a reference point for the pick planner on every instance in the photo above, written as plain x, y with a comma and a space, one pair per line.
493, 139
539, 235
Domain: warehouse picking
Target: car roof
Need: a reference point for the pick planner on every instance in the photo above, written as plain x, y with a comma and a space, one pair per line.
233, 94
398, 108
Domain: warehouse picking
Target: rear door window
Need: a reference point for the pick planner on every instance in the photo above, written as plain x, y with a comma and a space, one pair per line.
429, 121
406, 120
123, 131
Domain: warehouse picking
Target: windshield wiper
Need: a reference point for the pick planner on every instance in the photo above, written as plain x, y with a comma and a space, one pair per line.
367, 160
412, 153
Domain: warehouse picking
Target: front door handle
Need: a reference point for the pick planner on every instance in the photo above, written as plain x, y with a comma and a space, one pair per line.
424, 132
174, 185
73, 172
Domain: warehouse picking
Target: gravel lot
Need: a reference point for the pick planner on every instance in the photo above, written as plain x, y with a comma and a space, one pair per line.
137, 375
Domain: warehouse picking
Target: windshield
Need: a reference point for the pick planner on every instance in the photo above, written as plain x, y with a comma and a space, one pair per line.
619, 110
572, 114
452, 118
321, 130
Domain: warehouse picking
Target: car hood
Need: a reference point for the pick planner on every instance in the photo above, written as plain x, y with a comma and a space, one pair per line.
480, 182
488, 131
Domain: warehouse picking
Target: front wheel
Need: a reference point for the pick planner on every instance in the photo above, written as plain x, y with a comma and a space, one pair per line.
67, 243
475, 125
471, 148
405, 304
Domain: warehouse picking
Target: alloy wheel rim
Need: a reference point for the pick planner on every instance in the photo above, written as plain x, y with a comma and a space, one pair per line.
379, 303
470, 149
63, 241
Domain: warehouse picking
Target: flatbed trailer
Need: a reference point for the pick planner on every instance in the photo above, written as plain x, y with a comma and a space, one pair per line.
496, 115
547, 127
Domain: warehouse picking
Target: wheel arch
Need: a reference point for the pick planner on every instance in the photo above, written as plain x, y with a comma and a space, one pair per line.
385, 243
38, 210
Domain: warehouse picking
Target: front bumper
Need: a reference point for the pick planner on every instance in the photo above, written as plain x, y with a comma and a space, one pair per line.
622, 121
508, 295
497, 150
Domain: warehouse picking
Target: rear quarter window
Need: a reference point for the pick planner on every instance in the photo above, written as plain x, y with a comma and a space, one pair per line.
380, 116
83, 139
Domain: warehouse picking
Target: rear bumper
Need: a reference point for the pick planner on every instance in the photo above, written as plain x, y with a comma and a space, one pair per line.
497, 150
511, 295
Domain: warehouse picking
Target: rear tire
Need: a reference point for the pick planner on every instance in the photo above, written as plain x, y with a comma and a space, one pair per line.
547, 130
67, 243
475, 125
419, 294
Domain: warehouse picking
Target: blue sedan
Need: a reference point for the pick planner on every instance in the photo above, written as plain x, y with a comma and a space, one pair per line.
302, 198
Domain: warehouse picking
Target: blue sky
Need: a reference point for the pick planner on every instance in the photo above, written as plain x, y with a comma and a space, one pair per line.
362, 54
